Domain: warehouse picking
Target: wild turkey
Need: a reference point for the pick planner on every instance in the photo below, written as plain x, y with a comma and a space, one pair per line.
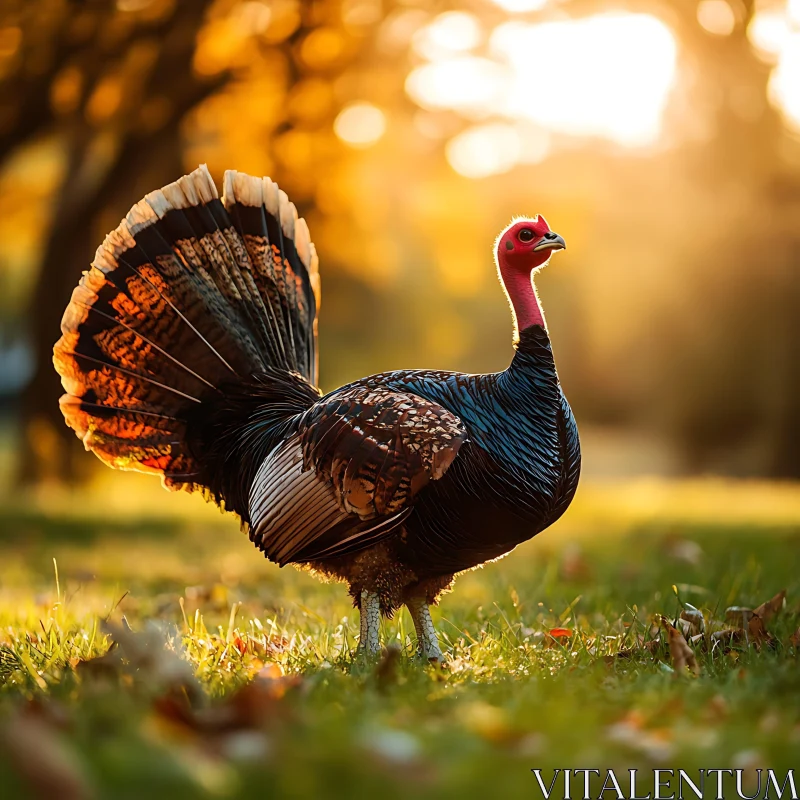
189, 349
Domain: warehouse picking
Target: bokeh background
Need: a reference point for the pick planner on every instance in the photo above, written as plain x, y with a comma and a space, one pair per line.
661, 139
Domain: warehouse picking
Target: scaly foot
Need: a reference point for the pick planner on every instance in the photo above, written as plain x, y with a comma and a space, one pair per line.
426, 633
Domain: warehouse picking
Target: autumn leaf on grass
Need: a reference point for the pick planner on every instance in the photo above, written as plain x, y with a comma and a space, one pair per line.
253, 707
681, 654
756, 626
146, 658
752, 623
559, 636
758, 634
766, 611
794, 639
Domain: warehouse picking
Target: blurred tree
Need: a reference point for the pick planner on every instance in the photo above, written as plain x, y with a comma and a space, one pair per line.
111, 82
699, 347
120, 88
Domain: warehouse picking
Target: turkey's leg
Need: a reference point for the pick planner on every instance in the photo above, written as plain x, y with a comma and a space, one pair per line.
369, 641
426, 633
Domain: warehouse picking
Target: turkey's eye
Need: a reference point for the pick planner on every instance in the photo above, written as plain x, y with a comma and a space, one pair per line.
526, 235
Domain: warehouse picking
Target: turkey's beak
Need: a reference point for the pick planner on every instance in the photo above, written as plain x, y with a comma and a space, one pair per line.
552, 241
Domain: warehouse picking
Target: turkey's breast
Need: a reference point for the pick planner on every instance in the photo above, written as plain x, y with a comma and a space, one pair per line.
516, 474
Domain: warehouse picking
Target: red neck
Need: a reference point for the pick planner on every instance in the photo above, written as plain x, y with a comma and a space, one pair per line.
519, 287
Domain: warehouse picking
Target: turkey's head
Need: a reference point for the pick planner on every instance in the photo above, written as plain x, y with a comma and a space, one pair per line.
527, 243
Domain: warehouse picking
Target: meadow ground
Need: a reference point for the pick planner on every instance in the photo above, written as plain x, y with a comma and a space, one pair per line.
160, 656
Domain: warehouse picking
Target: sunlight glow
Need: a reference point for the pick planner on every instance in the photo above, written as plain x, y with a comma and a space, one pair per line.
450, 33
768, 33
784, 83
717, 17
774, 35
607, 75
360, 124
467, 84
520, 6
484, 150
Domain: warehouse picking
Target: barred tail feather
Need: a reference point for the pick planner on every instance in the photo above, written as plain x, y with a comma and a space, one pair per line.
284, 259
188, 297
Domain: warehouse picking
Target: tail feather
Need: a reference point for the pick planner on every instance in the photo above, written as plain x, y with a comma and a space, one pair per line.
188, 297
284, 259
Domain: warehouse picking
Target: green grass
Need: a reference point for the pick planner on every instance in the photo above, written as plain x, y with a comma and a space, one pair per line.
190, 702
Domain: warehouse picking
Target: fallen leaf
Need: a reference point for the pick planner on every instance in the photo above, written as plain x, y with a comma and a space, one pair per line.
147, 657
109, 665
766, 611
758, 634
794, 639
557, 637
253, 707
681, 654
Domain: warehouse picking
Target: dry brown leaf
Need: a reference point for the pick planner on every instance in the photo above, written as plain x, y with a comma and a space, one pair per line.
766, 611
758, 634
794, 639
109, 665
681, 654
253, 707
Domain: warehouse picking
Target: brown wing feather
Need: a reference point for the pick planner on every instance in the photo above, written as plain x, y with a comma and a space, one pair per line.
348, 479
379, 447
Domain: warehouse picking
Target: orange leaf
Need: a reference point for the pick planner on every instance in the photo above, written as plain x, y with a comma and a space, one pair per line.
560, 633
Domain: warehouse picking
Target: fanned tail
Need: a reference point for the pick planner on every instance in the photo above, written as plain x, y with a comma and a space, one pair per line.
189, 300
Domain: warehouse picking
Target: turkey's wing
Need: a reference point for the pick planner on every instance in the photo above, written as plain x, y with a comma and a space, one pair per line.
349, 476
379, 447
